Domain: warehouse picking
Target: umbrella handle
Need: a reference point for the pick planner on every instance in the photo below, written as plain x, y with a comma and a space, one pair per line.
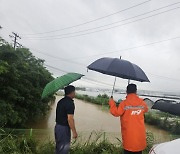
113, 87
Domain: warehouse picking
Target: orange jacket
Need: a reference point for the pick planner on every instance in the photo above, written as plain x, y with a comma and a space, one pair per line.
133, 130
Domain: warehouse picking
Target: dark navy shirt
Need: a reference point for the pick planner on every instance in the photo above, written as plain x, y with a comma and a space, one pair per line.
64, 107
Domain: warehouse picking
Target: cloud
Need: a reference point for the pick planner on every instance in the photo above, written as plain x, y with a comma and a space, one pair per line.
161, 60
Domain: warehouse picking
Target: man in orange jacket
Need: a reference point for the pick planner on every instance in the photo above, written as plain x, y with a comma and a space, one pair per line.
131, 112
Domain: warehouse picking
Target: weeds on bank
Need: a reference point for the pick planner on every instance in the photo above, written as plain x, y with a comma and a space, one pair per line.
164, 121
95, 143
100, 99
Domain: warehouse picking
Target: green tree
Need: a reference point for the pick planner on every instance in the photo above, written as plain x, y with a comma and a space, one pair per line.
22, 78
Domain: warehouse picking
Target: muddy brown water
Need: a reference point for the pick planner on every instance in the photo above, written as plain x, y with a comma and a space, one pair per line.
89, 118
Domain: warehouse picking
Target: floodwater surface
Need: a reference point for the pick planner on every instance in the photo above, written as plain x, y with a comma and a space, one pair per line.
88, 118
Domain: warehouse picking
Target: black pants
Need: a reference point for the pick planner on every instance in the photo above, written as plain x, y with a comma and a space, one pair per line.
129, 152
63, 138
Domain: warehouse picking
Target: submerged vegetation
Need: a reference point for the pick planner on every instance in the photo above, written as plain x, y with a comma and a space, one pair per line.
164, 121
96, 143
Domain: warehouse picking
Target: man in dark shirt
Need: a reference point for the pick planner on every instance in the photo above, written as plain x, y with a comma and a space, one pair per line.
65, 121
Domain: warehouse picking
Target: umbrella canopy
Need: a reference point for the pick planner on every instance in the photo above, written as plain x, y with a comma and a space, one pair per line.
60, 83
119, 68
168, 106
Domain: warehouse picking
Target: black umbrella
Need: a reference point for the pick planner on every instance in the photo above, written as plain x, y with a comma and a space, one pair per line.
119, 68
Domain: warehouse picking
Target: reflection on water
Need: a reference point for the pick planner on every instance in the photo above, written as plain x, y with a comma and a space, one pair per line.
88, 118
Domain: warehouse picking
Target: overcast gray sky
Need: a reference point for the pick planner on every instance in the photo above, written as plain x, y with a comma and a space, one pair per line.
160, 61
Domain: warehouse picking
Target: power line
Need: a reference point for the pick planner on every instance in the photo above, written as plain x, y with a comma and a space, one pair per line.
56, 68
126, 49
15, 36
159, 76
109, 27
56, 57
105, 53
103, 83
164, 77
96, 82
83, 65
107, 24
89, 79
92, 20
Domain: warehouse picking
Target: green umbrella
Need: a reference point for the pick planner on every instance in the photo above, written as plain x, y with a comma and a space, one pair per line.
60, 83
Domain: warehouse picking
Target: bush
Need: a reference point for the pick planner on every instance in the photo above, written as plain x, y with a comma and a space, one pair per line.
176, 128
152, 119
22, 78
100, 99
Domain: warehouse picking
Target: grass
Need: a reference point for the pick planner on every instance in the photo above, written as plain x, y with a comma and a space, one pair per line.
96, 143
164, 121
100, 99
101, 145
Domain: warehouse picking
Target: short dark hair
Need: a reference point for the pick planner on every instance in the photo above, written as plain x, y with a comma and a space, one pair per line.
131, 88
69, 89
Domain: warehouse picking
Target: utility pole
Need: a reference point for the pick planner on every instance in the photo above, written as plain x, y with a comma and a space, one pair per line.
15, 36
